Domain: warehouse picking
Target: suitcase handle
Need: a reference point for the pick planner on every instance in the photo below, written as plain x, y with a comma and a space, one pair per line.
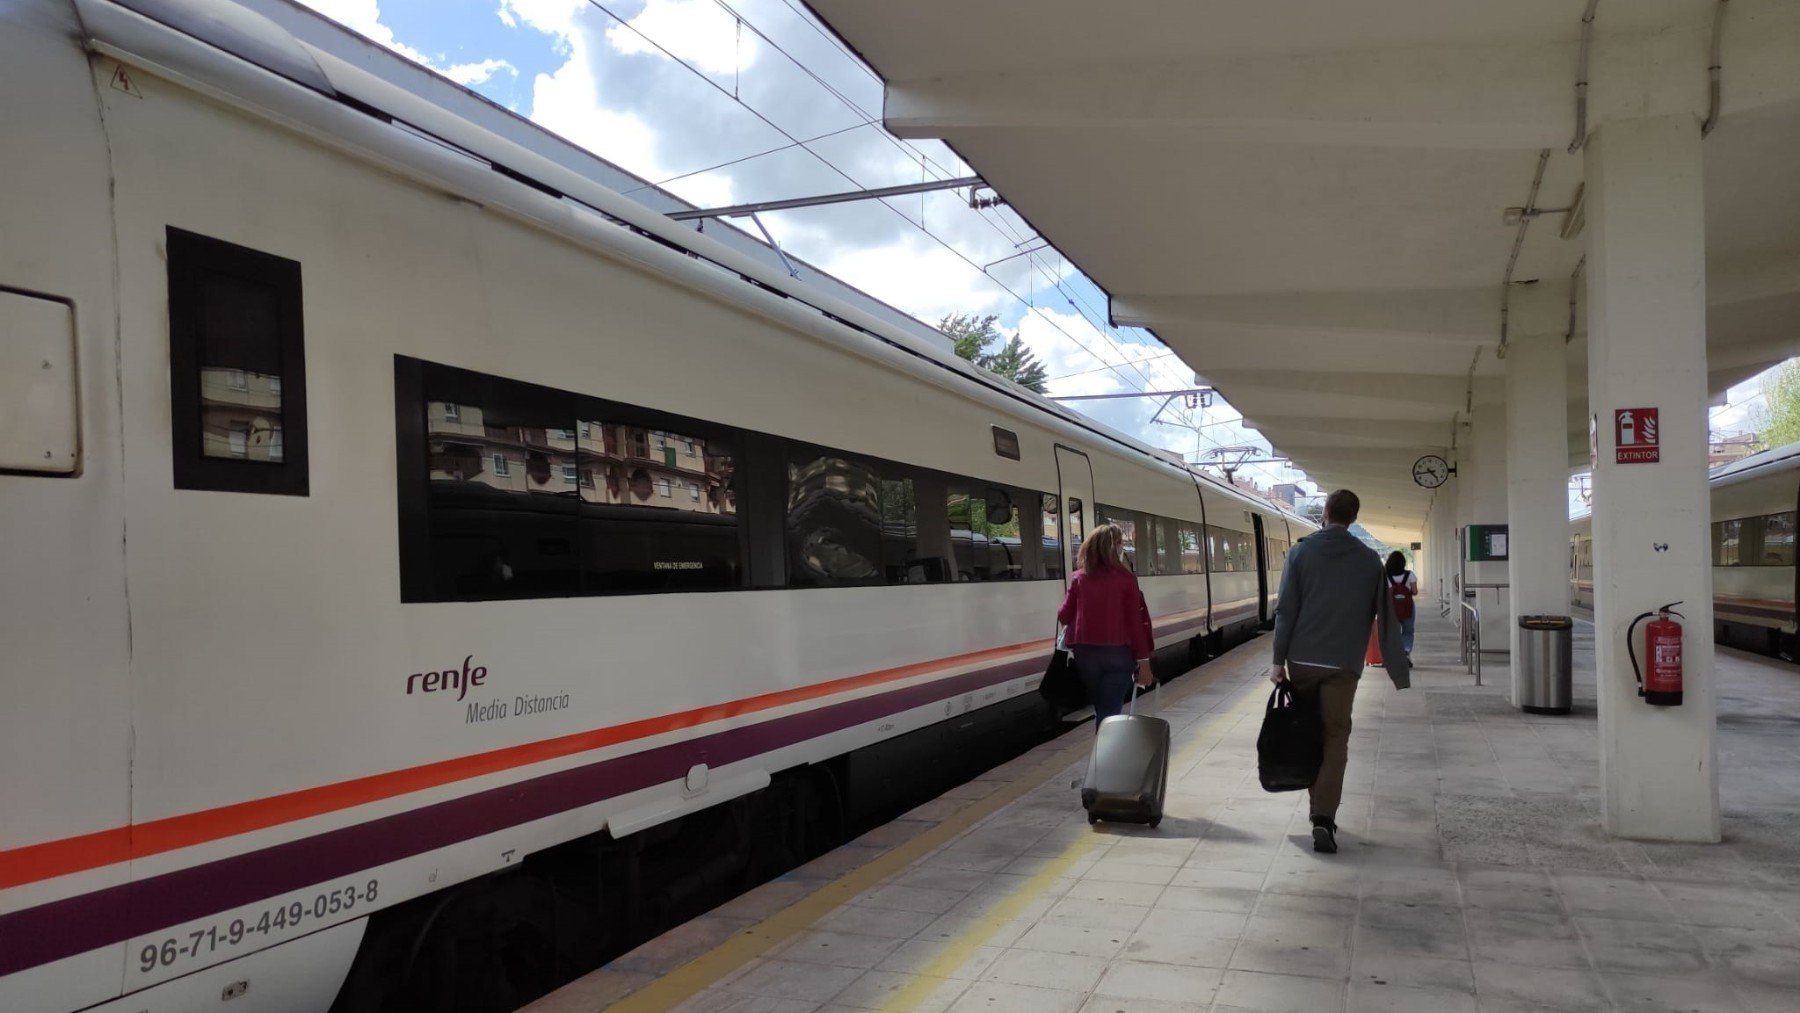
1131, 705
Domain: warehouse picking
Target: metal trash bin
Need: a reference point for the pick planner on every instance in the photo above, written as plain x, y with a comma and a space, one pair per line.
1543, 667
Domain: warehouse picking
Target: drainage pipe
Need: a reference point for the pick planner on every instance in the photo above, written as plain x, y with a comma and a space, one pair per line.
1574, 289
1581, 77
1512, 262
1713, 70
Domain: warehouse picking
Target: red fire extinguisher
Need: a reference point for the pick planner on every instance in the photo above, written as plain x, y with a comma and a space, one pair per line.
1661, 685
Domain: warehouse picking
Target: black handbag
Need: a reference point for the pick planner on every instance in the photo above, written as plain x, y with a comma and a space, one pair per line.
1291, 747
1061, 687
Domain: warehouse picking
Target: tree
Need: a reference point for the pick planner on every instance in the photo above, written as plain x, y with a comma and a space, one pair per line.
1778, 423
971, 337
1015, 362
969, 334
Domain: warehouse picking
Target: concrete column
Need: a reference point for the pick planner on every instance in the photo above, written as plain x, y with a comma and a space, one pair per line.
1537, 461
1647, 349
1481, 499
1442, 539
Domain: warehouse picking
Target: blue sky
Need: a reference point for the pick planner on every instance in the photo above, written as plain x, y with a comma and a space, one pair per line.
669, 89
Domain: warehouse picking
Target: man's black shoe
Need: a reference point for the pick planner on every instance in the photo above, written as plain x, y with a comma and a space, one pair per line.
1324, 835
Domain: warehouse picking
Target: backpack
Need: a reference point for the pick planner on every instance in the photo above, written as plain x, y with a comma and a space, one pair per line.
1402, 596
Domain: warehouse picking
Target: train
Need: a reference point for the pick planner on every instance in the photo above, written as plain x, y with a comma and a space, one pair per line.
431, 572
1754, 504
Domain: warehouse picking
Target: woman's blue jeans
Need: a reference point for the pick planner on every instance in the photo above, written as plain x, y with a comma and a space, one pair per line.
1406, 633
1106, 674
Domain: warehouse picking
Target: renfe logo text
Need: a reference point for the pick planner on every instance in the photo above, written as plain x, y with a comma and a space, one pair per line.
450, 678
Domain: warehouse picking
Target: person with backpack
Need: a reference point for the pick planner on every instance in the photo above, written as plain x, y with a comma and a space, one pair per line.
1402, 588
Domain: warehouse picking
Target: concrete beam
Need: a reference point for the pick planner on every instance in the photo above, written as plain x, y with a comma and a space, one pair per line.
1372, 486
1377, 457
1763, 330
1751, 277
1331, 432
1403, 388
1441, 314
1226, 346
1504, 95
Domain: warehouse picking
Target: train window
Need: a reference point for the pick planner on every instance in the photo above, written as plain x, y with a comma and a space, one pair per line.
1754, 541
1230, 551
237, 368
900, 561
1077, 531
985, 533
498, 531
1128, 527
1149, 541
510, 490
636, 533
1778, 539
1192, 557
1726, 538
1168, 545
834, 521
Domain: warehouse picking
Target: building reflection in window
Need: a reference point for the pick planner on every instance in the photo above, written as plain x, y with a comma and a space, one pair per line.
529, 504
834, 522
240, 414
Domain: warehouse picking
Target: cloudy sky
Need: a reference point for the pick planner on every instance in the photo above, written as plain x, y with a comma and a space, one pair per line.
673, 90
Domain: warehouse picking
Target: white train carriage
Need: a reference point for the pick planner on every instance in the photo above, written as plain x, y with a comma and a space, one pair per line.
1754, 503
429, 572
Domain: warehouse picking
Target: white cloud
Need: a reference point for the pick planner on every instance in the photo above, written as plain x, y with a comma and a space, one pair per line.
364, 16
556, 17
695, 31
914, 274
467, 74
570, 102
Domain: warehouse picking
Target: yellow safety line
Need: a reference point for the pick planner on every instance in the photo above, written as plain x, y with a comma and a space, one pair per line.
689, 979
957, 951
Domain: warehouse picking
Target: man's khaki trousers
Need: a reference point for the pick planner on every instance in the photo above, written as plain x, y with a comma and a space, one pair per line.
1335, 691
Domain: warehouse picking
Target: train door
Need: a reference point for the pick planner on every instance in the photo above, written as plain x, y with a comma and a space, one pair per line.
1205, 550
1279, 556
1075, 491
1262, 568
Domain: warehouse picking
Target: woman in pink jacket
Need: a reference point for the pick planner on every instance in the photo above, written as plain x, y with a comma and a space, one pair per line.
1106, 624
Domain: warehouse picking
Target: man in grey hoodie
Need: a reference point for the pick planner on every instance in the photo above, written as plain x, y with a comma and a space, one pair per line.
1332, 594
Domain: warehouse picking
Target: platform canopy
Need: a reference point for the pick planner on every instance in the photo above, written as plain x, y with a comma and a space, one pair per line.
1307, 199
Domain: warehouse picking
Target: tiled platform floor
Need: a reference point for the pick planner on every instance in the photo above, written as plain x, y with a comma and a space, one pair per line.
1473, 876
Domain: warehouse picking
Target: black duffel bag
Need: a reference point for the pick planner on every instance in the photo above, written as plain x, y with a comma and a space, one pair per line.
1291, 747
1062, 688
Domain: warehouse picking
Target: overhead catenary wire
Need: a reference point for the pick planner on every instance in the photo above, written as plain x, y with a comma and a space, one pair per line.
746, 158
904, 147
833, 90
664, 50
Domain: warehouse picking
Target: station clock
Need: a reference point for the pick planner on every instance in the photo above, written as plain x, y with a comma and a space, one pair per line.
1430, 471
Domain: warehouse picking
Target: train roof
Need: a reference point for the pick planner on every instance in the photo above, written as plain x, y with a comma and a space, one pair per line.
1775, 459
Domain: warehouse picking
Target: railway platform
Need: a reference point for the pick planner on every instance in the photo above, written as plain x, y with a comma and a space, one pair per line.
1473, 875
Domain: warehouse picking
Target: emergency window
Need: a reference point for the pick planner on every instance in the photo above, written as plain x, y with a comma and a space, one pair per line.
237, 368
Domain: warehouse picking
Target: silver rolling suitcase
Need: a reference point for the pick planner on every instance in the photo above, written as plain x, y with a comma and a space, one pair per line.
1128, 773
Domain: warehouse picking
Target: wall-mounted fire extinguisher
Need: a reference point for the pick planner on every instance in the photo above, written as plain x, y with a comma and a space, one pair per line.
1661, 685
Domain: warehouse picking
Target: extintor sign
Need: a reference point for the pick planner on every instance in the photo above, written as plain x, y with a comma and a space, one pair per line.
1636, 436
